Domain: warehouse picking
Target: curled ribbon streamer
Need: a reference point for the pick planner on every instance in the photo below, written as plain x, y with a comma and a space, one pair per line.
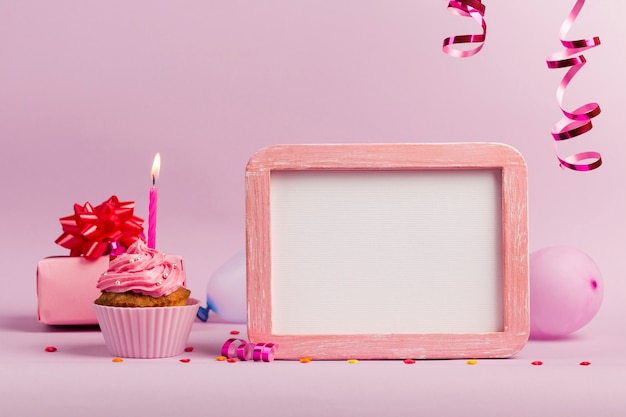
264, 352
244, 350
578, 121
466, 8
105, 229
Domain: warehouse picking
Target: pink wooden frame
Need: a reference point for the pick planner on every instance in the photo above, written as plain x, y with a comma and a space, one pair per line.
412, 156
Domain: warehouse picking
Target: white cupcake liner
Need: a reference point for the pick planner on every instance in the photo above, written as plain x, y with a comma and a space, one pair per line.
146, 332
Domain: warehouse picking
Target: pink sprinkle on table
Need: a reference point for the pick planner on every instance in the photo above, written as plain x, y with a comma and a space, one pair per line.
185, 360
409, 361
234, 332
536, 363
189, 349
51, 349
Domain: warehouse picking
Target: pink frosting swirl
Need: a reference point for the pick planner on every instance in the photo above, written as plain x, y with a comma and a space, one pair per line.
142, 270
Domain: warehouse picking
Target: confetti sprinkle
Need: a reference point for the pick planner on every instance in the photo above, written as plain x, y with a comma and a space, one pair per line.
585, 363
189, 349
537, 363
51, 349
117, 360
185, 360
409, 361
353, 361
234, 332
220, 358
305, 360
231, 360
472, 362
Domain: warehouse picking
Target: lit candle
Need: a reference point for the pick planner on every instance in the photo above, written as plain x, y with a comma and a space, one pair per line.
154, 197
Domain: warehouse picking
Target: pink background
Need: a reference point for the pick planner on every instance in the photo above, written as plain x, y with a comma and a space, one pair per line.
90, 91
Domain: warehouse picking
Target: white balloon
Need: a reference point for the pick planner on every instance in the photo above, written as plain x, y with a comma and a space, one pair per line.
226, 291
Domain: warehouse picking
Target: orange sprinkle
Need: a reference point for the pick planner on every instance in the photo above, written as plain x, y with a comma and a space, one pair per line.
353, 361
220, 358
117, 360
305, 360
472, 362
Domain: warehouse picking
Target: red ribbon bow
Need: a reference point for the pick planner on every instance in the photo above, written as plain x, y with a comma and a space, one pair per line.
105, 229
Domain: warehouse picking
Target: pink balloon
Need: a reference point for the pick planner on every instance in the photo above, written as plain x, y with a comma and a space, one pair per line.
566, 291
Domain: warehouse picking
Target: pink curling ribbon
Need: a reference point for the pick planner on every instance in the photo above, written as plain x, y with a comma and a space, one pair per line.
244, 351
576, 122
237, 348
264, 352
108, 228
466, 8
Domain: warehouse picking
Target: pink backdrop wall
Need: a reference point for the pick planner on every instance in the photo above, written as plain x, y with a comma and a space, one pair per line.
90, 91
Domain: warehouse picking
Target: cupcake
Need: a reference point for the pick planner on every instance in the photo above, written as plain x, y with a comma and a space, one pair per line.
144, 310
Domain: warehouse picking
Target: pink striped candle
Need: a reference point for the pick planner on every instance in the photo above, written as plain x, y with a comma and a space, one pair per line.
154, 197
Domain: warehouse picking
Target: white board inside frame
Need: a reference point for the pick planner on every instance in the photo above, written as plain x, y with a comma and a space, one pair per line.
414, 251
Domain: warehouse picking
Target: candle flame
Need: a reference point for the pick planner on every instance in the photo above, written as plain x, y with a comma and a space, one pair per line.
156, 167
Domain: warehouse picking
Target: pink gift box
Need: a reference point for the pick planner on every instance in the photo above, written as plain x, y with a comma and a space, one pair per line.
66, 288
